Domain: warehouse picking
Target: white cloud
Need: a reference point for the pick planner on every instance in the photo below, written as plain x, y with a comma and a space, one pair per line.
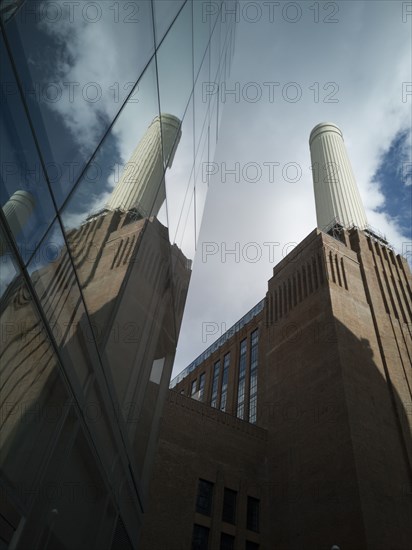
100, 59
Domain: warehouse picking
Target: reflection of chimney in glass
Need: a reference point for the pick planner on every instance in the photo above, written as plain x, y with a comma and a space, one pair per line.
17, 212
141, 186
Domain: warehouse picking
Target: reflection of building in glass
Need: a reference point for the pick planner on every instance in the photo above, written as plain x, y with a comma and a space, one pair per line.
135, 284
133, 314
138, 187
92, 304
290, 445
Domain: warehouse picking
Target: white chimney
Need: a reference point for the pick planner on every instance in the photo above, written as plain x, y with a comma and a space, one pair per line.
336, 193
141, 185
17, 212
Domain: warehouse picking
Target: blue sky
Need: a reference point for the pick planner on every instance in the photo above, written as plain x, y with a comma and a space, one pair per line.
394, 177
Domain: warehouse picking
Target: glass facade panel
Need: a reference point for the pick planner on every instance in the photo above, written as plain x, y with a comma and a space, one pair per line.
204, 90
74, 89
180, 210
34, 400
108, 181
201, 179
100, 419
215, 47
55, 284
164, 13
185, 237
175, 87
81, 475
24, 193
213, 128
201, 31
122, 255
179, 187
101, 207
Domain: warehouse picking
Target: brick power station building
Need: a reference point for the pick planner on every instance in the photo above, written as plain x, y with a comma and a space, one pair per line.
293, 430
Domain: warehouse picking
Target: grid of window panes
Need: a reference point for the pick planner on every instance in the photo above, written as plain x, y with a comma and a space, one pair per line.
96, 244
215, 384
219, 342
240, 410
254, 341
225, 377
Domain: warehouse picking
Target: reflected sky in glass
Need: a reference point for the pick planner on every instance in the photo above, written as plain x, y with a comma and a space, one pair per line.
179, 186
176, 83
94, 190
21, 168
164, 13
73, 88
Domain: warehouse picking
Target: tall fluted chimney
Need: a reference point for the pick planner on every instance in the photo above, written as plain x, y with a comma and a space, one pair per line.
139, 186
336, 194
17, 212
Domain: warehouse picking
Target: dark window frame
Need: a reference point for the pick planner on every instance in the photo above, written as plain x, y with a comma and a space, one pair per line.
200, 537
229, 506
227, 542
253, 512
204, 498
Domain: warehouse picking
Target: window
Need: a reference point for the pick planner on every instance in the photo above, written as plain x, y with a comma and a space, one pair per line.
201, 386
252, 514
225, 376
193, 387
253, 408
215, 384
227, 542
251, 545
254, 350
241, 384
200, 539
229, 506
204, 497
